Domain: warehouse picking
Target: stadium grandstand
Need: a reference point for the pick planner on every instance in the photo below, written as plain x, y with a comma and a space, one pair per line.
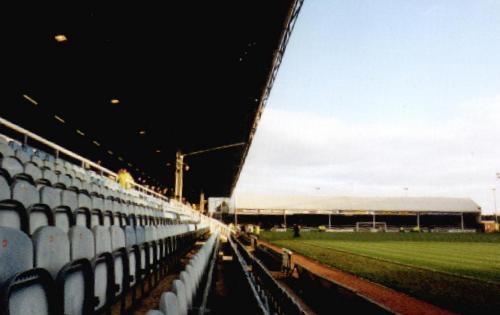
98, 87
358, 213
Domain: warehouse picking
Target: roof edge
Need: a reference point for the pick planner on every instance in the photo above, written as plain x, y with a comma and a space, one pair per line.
278, 57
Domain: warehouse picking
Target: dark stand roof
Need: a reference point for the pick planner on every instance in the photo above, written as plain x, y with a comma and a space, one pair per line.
192, 75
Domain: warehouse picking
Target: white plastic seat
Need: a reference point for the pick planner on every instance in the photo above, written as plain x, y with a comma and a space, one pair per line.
189, 287
64, 213
33, 297
11, 165
52, 251
179, 289
33, 171
169, 304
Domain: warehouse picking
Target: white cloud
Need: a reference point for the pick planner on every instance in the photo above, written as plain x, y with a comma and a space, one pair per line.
297, 152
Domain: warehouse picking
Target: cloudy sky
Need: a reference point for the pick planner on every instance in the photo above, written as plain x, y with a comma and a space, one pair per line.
376, 96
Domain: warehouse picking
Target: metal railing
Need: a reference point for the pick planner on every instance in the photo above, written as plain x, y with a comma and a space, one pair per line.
143, 191
271, 294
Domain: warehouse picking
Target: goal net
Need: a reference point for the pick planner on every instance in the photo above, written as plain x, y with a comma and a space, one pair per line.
371, 226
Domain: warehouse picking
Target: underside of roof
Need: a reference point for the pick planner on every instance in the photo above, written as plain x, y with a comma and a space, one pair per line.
130, 83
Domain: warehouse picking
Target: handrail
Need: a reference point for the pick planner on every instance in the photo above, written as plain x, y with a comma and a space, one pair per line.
73, 155
208, 285
281, 301
214, 224
244, 266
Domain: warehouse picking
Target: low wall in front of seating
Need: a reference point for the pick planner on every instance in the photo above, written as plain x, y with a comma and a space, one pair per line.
327, 296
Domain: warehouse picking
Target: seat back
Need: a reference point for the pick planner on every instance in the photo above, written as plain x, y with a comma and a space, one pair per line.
16, 253
75, 288
64, 179
37, 160
130, 237
102, 239
22, 156
188, 285
76, 183
169, 304
51, 249
49, 176
64, 214
83, 215
117, 237
81, 242
5, 150
31, 297
154, 312
50, 196
140, 235
180, 291
32, 170
11, 165
24, 192
4, 189
14, 215
40, 215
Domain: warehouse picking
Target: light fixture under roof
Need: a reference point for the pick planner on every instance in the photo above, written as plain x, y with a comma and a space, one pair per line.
142, 132
158, 150
60, 38
30, 99
115, 101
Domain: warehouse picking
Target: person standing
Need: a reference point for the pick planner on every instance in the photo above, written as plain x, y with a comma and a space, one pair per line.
296, 230
125, 179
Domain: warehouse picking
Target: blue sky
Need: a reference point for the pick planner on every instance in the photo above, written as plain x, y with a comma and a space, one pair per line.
409, 85
366, 60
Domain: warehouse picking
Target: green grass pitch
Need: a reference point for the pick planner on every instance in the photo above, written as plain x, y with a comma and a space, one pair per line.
460, 272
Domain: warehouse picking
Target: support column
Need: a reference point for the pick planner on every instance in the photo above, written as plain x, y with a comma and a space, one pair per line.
329, 220
284, 217
179, 166
462, 220
202, 202
418, 220
374, 219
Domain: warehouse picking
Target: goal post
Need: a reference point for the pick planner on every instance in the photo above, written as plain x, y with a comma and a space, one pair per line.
371, 226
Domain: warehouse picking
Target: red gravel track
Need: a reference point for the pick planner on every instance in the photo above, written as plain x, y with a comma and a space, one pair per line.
395, 301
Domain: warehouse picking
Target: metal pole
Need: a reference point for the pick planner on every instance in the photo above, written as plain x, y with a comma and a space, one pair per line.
284, 216
495, 204
202, 202
418, 220
329, 220
462, 220
179, 166
373, 219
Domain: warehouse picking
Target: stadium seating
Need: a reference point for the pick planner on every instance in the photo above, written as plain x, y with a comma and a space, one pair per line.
169, 304
185, 290
74, 242
24, 289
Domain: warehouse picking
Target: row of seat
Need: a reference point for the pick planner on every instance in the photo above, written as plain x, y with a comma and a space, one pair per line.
42, 169
60, 173
181, 299
11, 168
84, 271
24, 206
